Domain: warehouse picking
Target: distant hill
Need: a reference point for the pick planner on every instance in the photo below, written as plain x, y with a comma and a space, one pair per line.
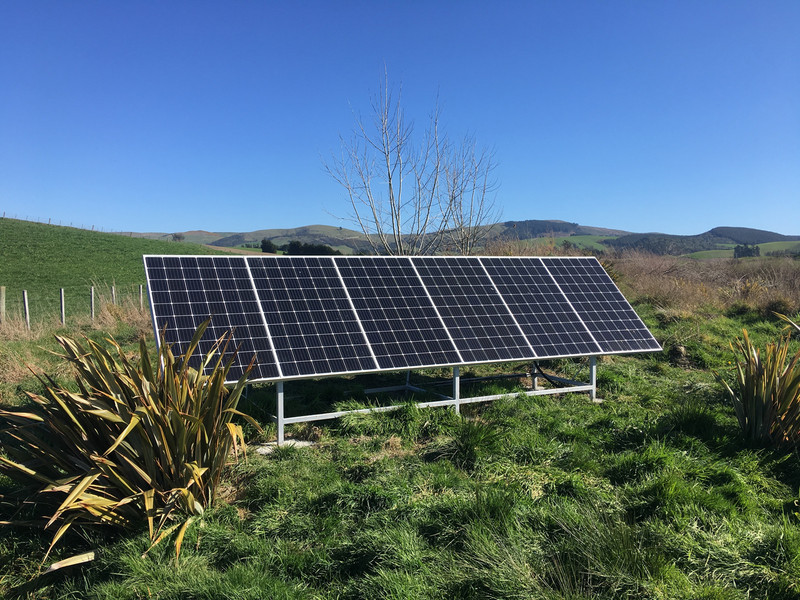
193, 237
718, 238
524, 230
340, 238
349, 241
745, 235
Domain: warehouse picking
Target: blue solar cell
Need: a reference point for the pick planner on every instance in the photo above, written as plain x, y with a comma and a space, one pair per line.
600, 305
478, 320
330, 315
187, 290
542, 311
309, 316
401, 324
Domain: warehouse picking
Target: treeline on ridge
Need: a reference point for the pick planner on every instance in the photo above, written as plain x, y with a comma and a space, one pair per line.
295, 248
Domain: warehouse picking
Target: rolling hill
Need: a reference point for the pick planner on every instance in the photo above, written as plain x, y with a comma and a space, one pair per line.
349, 241
719, 238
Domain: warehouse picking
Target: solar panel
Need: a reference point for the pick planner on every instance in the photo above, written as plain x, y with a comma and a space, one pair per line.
312, 324
600, 305
541, 309
186, 290
400, 321
480, 323
313, 316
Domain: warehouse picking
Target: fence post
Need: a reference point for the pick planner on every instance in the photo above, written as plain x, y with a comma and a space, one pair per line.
91, 302
113, 294
2, 304
141, 297
25, 308
63, 309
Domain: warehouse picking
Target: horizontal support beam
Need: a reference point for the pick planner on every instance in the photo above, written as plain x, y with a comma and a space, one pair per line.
547, 392
447, 401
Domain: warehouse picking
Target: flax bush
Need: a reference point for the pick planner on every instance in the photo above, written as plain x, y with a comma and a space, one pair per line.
766, 395
138, 441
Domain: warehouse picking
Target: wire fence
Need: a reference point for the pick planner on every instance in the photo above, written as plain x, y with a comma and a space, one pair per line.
62, 223
67, 304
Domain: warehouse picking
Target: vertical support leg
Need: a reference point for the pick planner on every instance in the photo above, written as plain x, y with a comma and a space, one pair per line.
457, 389
593, 378
408, 381
534, 376
279, 410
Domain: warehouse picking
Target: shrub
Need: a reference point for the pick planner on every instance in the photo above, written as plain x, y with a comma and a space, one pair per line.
767, 394
136, 442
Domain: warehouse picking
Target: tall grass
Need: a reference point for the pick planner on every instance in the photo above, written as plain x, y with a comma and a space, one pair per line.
763, 285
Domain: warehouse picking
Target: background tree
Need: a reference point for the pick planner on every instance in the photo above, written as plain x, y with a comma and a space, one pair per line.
746, 250
412, 192
298, 248
268, 246
470, 196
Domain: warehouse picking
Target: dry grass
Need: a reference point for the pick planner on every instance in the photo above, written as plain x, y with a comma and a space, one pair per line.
14, 329
21, 347
128, 313
108, 316
674, 283
13, 365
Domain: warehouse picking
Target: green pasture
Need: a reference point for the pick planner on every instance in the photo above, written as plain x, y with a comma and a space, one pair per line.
42, 259
779, 247
651, 494
764, 248
587, 242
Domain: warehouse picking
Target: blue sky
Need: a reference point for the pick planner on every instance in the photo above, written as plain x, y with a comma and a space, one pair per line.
173, 116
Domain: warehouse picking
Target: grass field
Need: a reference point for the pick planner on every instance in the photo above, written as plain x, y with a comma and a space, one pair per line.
792, 247
706, 254
650, 494
779, 247
43, 258
585, 242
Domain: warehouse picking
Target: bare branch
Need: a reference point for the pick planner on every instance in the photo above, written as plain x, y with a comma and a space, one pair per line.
410, 194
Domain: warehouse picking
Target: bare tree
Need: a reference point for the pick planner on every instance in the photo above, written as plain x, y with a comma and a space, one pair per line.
470, 199
397, 184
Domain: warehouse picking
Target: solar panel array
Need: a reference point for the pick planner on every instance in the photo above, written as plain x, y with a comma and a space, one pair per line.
311, 316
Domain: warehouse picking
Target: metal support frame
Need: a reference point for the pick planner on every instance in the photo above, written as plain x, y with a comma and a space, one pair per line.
455, 400
457, 390
593, 380
279, 409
